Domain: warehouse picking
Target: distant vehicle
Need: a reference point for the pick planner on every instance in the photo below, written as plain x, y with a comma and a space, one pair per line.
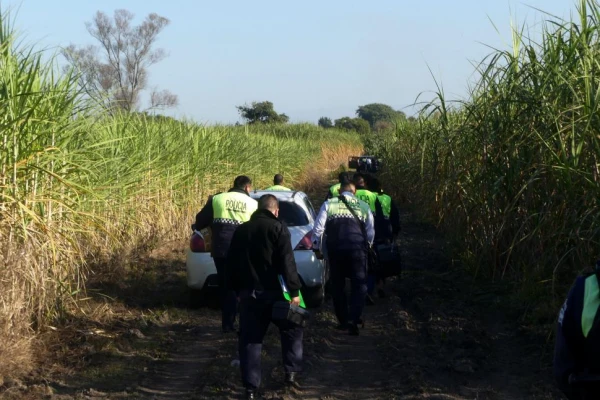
369, 164
296, 210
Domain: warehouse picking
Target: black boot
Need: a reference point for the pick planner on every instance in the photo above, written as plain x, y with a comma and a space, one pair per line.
353, 330
342, 326
290, 378
252, 394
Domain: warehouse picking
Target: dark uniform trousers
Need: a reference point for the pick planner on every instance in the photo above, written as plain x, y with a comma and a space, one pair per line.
255, 317
227, 297
348, 264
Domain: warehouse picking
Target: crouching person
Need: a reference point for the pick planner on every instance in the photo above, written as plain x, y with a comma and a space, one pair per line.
260, 252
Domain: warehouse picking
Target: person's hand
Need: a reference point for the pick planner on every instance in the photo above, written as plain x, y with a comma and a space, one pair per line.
295, 301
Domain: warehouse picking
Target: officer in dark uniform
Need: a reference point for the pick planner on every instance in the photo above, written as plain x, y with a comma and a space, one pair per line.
363, 193
577, 350
346, 248
224, 212
387, 228
334, 190
260, 252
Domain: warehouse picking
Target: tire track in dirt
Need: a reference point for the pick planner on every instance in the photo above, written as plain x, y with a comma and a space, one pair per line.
180, 376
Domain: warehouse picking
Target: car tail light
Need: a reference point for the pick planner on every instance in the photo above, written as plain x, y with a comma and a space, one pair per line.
197, 244
305, 243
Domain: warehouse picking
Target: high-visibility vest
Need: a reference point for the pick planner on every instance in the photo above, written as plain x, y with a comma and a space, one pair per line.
386, 204
279, 188
233, 208
591, 303
335, 190
337, 208
368, 197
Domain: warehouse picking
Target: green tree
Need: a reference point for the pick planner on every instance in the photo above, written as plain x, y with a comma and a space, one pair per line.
353, 124
325, 122
376, 112
261, 112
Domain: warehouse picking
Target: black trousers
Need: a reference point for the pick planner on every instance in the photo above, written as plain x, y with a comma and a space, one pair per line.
227, 297
255, 317
348, 264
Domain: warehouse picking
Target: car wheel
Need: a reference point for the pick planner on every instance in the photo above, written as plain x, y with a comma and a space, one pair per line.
313, 297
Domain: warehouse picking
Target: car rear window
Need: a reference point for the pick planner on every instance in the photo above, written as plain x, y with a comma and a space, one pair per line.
292, 214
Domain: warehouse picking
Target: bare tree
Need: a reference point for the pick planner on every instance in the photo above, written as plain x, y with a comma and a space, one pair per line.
116, 71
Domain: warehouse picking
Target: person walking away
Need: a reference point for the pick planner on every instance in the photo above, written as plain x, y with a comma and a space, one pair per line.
363, 193
224, 213
577, 348
347, 250
278, 184
387, 228
334, 190
369, 197
260, 252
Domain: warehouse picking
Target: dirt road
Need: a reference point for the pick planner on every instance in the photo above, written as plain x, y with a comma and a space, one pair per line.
437, 335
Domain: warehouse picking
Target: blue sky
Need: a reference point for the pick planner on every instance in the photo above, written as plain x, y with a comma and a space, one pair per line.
310, 58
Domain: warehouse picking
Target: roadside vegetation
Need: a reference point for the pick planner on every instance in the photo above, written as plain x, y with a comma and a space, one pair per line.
512, 173
84, 188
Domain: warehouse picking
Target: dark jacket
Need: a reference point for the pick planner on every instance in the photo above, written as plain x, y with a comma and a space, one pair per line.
261, 249
573, 352
386, 229
221, 232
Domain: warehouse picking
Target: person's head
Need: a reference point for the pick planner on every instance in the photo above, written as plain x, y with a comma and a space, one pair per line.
347, 187
270, 203
278, 179
359, 180
375, 185
343, 177
243, 182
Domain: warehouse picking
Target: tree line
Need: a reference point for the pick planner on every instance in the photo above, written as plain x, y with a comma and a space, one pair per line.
115, 74
370, 117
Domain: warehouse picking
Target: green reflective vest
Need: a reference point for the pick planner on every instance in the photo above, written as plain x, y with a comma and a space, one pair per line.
368, 197
233, 208
337, 208
279, 188
335, 190
591, 302
386, 204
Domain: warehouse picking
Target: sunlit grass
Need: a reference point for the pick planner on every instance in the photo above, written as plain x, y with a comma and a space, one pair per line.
80, 189
512, 173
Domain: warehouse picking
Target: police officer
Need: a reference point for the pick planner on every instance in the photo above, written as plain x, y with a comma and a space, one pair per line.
577, 350
278, 184
346, 247
387, 228
363, 193
260, 251
334, 190
224, 212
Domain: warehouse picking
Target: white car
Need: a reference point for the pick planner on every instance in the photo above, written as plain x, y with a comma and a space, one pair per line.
296, 210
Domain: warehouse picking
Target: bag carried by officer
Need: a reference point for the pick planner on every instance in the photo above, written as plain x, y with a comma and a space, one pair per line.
390, 263
284, 310
372, 260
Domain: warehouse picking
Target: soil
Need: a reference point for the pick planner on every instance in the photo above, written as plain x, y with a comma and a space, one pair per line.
436, 335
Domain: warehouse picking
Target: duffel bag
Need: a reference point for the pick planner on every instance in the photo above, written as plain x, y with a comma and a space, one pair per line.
388, 256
